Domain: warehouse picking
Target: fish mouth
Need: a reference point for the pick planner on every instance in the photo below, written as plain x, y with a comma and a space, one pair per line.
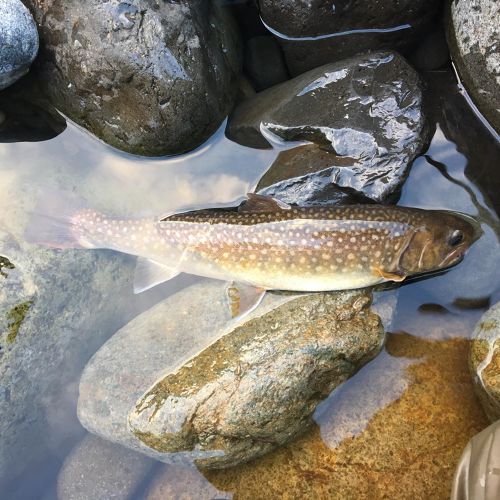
454, 257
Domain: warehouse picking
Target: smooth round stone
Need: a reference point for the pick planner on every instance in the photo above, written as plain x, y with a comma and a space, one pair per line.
18, 41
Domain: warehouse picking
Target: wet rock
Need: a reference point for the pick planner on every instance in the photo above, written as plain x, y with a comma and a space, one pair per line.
148, 79
336, 336
256, 388
321, 31
477, 476
56, 309
18, 41
485, 361
264, 62
26, 116
394, 430
473, 36
366, 111
101, 470
247, 16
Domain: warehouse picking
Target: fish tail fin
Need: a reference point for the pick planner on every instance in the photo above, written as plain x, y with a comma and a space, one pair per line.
58, 222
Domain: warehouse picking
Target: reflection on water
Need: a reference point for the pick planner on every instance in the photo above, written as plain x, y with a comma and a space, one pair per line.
417, 392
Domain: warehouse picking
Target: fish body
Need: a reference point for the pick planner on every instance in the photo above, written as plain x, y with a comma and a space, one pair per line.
269, 245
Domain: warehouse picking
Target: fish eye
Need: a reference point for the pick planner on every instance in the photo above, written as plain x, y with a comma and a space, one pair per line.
456, 238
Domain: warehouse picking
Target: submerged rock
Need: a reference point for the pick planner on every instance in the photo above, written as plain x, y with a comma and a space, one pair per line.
256, 388
394, 430
18, 41
262, 379
320, 31
485, 361
147, 78
474, 39
365, 113
101, 470
56, 309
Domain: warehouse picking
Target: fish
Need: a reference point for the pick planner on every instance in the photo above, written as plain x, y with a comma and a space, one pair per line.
266, 244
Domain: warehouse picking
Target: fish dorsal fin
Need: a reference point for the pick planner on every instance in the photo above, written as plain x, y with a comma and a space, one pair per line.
260, 203
149, 273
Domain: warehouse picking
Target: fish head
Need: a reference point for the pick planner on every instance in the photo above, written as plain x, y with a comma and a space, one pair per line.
439, 242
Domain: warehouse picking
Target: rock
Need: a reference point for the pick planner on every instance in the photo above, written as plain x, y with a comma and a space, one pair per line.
473, 37
183, 483
394, 430
148, 350
366, 111
56, 309
432, 51
101, 470
321, 31
485, 361
256, 388
264, 62
303, 176
26, 116
18, 39
477, 476
247, 16
147, 78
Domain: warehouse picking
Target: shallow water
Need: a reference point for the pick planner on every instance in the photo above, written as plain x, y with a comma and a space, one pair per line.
434, 318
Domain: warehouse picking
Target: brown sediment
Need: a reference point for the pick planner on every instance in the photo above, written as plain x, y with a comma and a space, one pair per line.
409, 449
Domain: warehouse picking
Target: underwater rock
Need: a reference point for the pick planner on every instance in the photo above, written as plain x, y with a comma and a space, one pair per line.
147, 78
321, 31
396, 429
56, 309
99, 469
18, 41
27, 116
256, 388
474, 40
478, 473
366, 112
264, 63
485, 361
326, 339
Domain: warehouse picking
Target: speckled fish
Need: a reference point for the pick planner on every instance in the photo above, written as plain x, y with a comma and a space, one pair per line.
269, 245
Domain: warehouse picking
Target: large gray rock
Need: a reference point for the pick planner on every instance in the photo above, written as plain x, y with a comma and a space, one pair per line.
262, 378
485, 361
56, 309
18, 41
320, 31
366, 113
101, 470
474, 39
146, 77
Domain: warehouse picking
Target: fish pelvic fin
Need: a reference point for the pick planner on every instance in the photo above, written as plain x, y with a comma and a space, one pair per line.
388, 275
149, 273
243, 299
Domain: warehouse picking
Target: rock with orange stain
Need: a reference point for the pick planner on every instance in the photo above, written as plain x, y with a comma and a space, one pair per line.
415, 409
485, 361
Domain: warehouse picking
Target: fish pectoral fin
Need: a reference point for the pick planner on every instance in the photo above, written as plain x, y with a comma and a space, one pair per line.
388, 275
243, 298
260, 203
149, 273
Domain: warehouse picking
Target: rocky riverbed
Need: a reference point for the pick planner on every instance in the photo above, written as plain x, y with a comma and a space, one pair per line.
143, 108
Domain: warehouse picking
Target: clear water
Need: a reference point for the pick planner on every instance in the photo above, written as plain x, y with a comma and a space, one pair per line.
457, 172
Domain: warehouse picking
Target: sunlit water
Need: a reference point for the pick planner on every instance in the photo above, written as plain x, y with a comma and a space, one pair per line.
219, 174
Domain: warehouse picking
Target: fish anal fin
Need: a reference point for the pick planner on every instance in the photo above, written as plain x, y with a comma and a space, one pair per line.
388, 275
260, 203
149, 273
243, 298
